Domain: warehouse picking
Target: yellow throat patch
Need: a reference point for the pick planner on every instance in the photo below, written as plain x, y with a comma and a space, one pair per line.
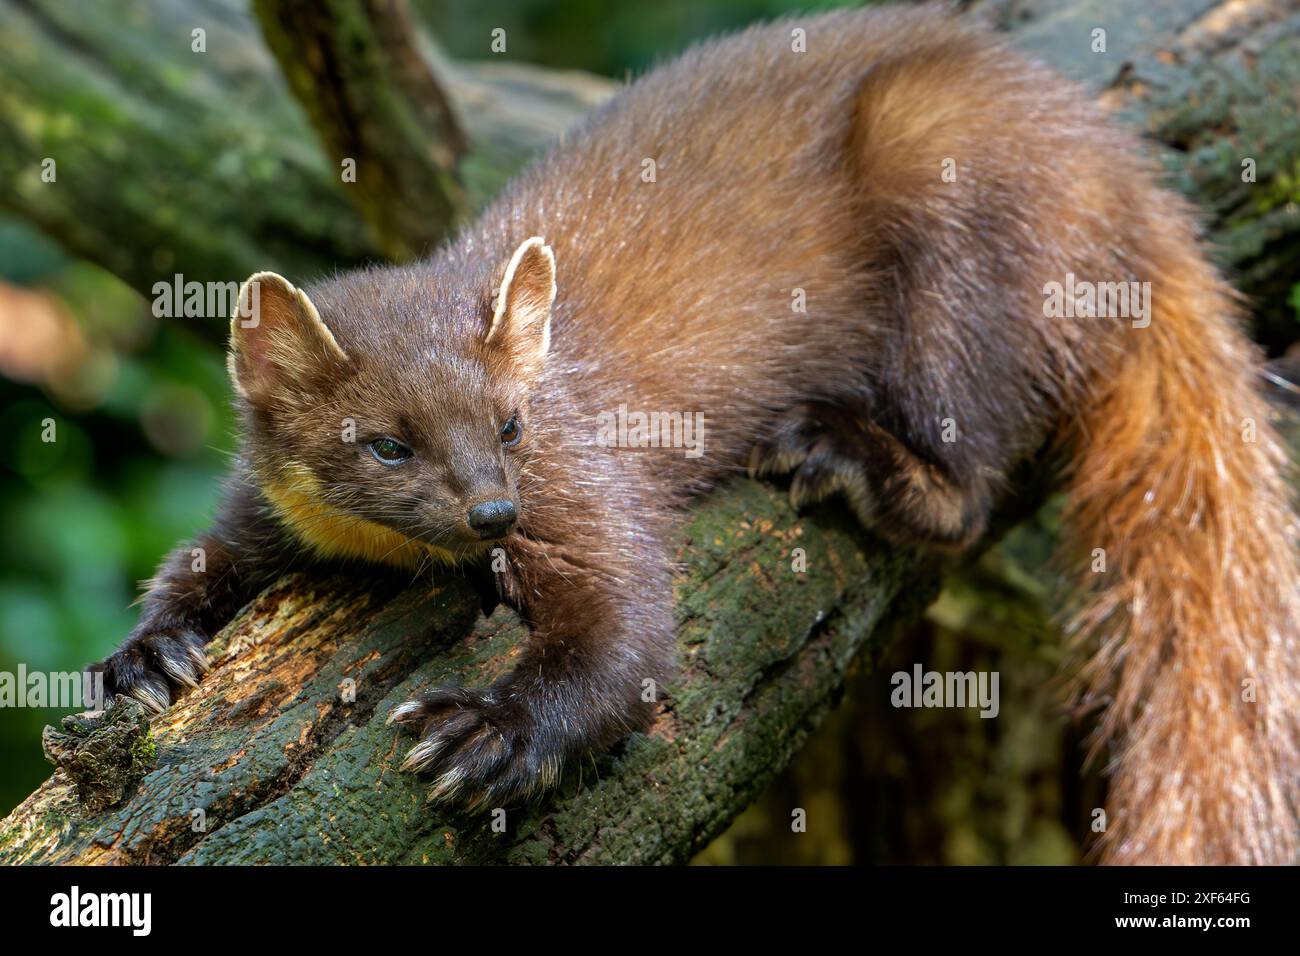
332, 533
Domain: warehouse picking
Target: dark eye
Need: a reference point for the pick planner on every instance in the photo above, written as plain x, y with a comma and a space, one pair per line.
389, 451
512, 431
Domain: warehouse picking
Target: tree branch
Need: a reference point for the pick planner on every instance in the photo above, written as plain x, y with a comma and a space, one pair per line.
370, 94
280, 765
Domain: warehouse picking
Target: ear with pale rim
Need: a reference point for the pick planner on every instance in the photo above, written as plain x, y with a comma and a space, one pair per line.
521, 323
279, 345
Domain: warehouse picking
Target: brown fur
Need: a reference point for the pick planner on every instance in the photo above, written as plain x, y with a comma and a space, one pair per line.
1200, 595
819, 171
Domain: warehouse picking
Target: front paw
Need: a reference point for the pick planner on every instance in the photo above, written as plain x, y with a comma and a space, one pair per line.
153, 664
482, 748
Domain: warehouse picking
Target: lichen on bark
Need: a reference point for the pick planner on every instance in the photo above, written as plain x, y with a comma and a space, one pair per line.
104, 753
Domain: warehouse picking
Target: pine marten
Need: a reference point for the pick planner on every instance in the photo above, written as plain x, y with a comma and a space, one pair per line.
838, 247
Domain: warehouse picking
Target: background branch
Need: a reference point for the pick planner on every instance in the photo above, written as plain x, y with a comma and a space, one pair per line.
171, 161
355, 67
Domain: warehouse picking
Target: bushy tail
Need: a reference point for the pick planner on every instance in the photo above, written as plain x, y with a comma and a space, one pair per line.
1193, 624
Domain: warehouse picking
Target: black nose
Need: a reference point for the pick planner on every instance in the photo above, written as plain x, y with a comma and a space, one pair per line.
491, 519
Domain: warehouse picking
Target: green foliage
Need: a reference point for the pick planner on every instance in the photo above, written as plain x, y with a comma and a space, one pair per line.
612, 37
141, 435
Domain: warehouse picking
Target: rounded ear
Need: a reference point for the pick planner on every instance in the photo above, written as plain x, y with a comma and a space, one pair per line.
279, 346
521, 321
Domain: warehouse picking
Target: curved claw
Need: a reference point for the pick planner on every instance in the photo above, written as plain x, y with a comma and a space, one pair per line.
479, 747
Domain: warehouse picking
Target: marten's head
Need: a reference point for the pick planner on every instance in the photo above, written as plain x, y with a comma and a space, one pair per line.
386, 414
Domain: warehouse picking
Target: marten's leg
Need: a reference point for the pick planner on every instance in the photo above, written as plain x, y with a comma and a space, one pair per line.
597, 652
965, 378
891, 489
197, 590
